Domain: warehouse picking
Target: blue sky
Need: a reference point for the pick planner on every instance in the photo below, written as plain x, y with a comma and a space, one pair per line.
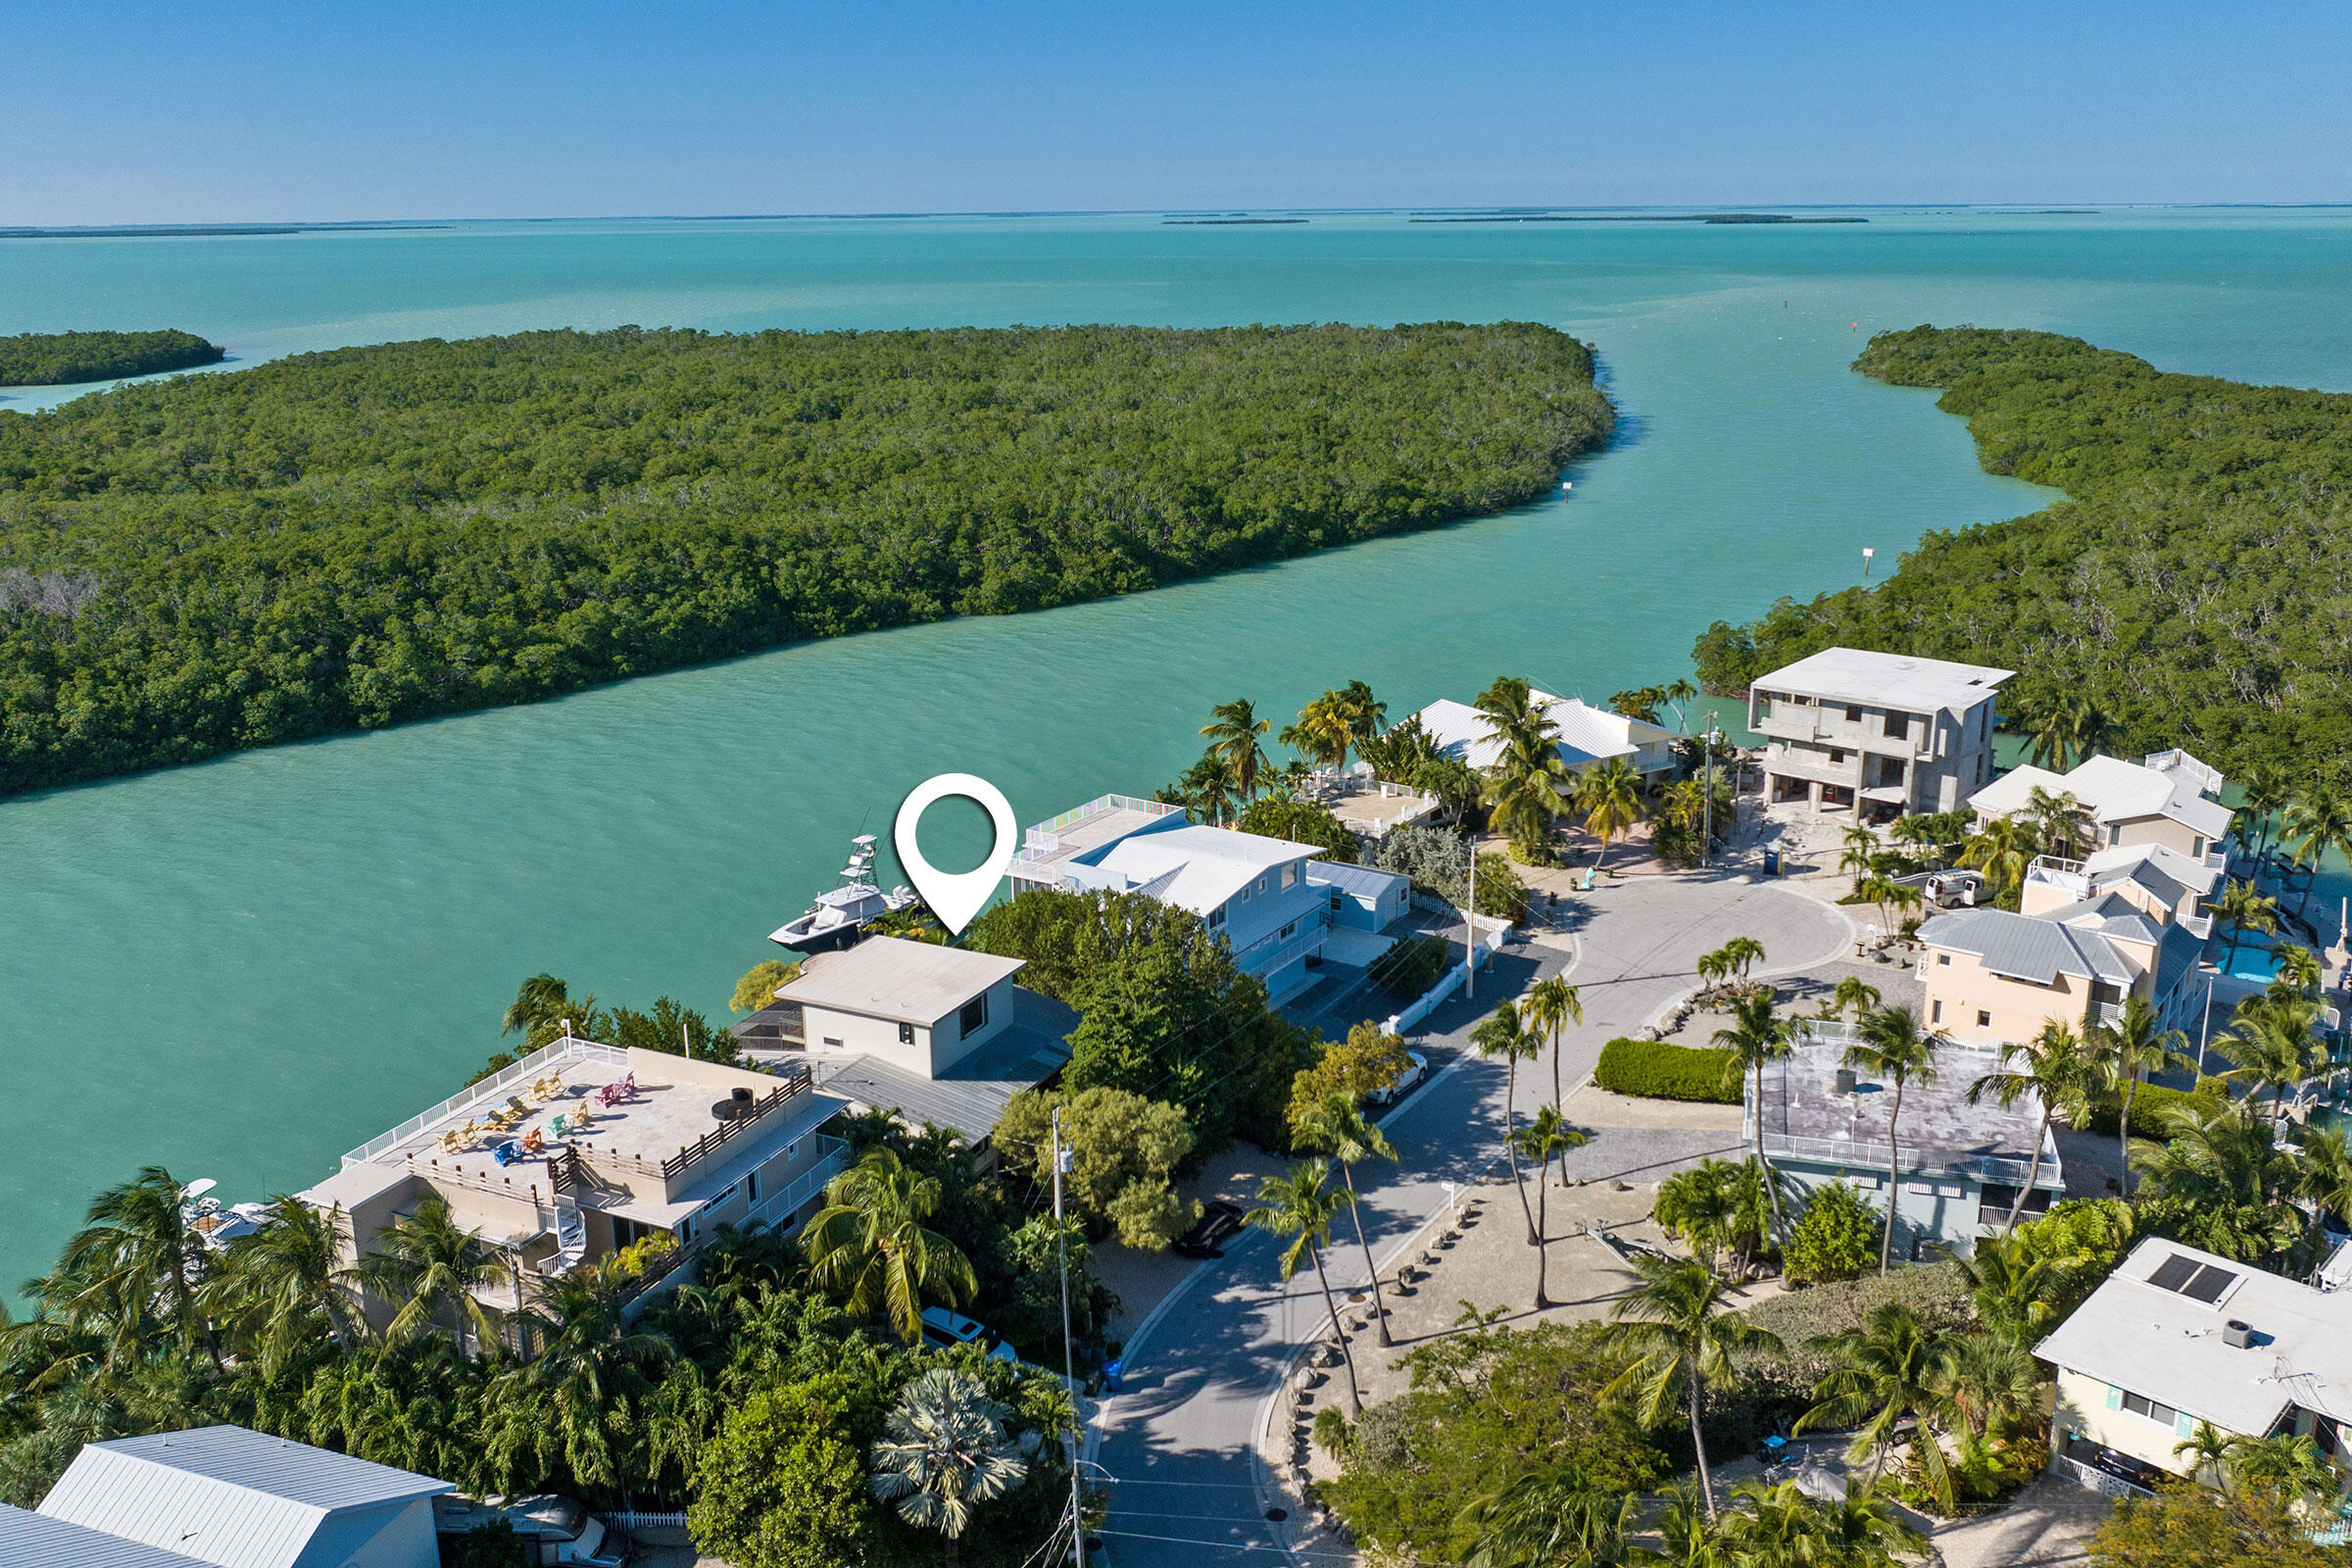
355, 110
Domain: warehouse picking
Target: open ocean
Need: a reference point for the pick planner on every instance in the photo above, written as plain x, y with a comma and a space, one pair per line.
242, 970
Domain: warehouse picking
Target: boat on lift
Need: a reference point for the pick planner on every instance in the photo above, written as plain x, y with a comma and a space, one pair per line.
839, 912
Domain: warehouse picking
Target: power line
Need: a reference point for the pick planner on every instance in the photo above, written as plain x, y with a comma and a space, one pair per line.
1230, 1545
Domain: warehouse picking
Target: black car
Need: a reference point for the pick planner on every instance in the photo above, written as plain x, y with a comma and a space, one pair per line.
1217, 1222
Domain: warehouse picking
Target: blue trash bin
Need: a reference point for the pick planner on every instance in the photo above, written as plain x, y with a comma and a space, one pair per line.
1772, 862
1110, 1374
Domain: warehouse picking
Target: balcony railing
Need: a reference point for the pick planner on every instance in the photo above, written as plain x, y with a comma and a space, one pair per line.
490, 1089
796, 1083
1043, 841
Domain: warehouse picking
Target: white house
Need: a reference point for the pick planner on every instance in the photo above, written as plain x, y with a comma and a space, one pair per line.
2170, 799
929, 1033
2176, 1336
241, 1500
1588, 734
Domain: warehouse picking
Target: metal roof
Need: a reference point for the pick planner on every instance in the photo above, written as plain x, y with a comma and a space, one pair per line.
1886, 680
224, 1495
1587, 734
2025, 948
35, 1540
2165, 1342
1363, 881
972, 1093
890, 977
1210, 865
2111, 790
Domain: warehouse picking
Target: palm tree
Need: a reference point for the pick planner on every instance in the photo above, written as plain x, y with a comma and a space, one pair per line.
1742, 954
1854, 994
1523, 787
2010, 1285
2134, 1046
2001, 849
540, 1006
2270, 1041
1861, 847
1234, 730
1892, 1369
944, 1452
2324, 1175
131, 1269
1323, 732
1756, 1038
1864, 1528
2209, 1447
2058, 1072
2264, 788
1366, 714
1989, 1378
1610, 793
1301, 1207
2242, 907
1679, 1334
2068, 727
2299, 969
1549, 1516
1893, 1046
1339, 1127
286, 1282
427, 1263
593, 1361
1500, 1035
1549, 1008
2319, 822
1545, 1137
2218, 1158
2057, 821
871, 1243
2283, 1464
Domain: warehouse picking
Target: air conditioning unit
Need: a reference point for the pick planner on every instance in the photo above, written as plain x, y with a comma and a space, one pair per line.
2238, 1336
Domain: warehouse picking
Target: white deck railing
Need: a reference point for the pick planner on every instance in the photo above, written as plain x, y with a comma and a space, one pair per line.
1042, 840
565, 1047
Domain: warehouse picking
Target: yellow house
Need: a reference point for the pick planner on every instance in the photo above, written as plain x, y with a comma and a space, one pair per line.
2176, 1336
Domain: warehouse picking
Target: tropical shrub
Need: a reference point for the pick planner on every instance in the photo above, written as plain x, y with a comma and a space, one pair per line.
1278, 816
2150, 1104
1123, 1151
1500, 892
1835, 1237
1434, 860
1654, 1069
1410, 965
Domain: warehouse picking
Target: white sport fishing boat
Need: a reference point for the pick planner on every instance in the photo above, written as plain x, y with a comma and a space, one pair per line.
839, 911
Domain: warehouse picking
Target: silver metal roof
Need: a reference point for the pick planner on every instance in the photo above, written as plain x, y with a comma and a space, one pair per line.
2026, 947
1361, 880
226, 1495
35, 1540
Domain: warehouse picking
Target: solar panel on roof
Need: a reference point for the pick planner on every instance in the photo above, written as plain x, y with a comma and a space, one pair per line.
2209, 1284
2172, 1273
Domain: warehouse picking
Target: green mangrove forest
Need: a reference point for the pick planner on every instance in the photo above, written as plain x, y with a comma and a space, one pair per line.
370, 535
2192, 590
64, 358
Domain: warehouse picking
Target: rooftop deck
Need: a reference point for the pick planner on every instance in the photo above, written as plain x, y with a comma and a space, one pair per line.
1805, 1117
1098, 822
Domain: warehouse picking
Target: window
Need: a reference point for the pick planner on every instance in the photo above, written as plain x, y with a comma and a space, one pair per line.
1984, 1019
1898, 725
1853, 712
2196, 849
2115, 834
1934, 1013
1836, 755
905, 1034
1216, 918
1287, 930
1261, 884
1337, 903
1290, 877
628, 1232
751, 1188
974, 1016
792, 1021
1943, 960
2142, 1404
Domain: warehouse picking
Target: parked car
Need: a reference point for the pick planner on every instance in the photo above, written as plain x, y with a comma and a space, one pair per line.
1217, 1222
943, 1328
1416, 1069
550, 1529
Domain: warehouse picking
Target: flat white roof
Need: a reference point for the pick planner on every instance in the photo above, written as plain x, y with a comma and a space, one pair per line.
2155, 1329
891, 977
1886, 680
1206, 865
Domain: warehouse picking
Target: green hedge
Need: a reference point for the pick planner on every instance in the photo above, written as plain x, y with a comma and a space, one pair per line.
1410, 965
1655, 1070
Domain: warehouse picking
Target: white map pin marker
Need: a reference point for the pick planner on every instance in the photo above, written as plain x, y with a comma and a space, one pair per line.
955, 897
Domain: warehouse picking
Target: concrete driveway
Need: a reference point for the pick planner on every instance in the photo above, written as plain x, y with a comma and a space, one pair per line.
1177, 1448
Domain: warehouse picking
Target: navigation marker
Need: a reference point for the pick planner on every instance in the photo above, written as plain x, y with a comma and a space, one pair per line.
956, 896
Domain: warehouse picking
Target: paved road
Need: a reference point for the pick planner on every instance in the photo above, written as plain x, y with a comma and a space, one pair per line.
1178, 1444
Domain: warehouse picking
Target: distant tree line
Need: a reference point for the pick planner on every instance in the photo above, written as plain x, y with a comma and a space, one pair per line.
371, 535
63, 359
2185, 594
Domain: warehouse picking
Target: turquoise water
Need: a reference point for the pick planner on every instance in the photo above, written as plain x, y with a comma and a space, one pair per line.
242, 970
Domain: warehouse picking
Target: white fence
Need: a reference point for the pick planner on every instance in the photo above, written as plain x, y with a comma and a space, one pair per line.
640, 1519
2091, 1479
1447, 984
565, 1047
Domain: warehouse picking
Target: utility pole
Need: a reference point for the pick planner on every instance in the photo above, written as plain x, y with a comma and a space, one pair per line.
1707, 810
1069, 1383
1470, 930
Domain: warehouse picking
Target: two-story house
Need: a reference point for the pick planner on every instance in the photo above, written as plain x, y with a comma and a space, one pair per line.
2168, 800
580, 1150
1270, 898
1962, 1164
2176, 1336
928, 1033
1880, 735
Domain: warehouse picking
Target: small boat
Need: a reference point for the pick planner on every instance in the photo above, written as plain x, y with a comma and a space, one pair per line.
839, 912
